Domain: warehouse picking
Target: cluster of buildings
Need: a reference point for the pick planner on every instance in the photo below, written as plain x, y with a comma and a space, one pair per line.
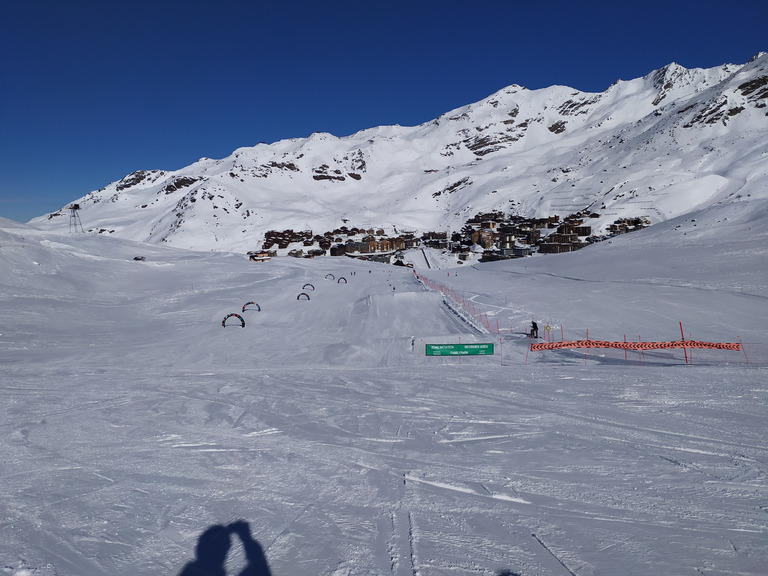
495, 235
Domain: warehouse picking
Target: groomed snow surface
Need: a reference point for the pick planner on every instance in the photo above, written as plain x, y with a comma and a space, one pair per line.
132, 421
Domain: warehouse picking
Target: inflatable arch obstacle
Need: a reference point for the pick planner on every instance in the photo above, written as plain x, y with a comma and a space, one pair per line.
258, 308
307, 286
305, 296
330, 277
341, 280
224, 322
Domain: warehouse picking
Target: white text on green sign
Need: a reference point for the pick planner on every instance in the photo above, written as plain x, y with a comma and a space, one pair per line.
459, 349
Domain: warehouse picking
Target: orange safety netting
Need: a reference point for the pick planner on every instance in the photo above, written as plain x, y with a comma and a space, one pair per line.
635, 345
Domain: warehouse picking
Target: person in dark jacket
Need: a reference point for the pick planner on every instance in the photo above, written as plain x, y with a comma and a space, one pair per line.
534, 329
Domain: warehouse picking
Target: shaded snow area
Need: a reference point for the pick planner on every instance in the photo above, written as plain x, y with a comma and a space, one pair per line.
133, 422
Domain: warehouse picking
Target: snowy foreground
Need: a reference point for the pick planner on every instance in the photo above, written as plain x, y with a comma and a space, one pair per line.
132, 421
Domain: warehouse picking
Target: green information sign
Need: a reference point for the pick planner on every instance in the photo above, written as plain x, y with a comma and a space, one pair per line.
459, 349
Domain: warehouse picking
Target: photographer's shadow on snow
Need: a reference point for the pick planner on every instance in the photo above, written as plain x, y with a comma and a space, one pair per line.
212, 549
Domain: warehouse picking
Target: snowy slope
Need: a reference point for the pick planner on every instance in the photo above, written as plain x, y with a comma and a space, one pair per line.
133, 421
656, 147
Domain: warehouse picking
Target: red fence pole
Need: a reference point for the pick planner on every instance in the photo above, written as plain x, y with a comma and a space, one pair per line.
682, 335
742, 348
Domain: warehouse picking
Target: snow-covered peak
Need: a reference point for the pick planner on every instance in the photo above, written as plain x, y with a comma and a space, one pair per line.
626, 152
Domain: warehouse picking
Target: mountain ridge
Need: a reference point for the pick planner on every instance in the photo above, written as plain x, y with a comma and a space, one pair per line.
656, 147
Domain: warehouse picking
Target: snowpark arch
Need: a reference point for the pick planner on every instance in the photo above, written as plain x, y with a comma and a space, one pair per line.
256, 306
305, 296
308, 286
242, 321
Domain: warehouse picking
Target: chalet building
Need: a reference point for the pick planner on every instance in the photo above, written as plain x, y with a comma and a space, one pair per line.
532, 236
555, 248
484, 238
558, 238
507, 241
382, 258
359, 247
385, 245
261, 256
516, 251
623, 225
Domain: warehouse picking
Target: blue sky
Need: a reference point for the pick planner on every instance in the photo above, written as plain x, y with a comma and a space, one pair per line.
91, 90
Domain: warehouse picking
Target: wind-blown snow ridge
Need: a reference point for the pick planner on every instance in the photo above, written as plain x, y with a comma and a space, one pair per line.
656, 147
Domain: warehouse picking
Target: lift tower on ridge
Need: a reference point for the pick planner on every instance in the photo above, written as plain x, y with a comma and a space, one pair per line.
74, 218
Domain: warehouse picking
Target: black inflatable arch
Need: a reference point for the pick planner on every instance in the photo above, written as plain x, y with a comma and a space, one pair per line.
307, 285
306, 296
330, 277
258, 308
242, 322
339, 281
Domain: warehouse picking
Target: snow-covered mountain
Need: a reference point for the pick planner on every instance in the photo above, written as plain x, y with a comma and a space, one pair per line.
656, 147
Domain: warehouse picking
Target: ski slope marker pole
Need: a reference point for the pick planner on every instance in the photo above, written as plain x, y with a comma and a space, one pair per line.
587, 352
625, 350
682, 335
742, 348
528, 349
690, 337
